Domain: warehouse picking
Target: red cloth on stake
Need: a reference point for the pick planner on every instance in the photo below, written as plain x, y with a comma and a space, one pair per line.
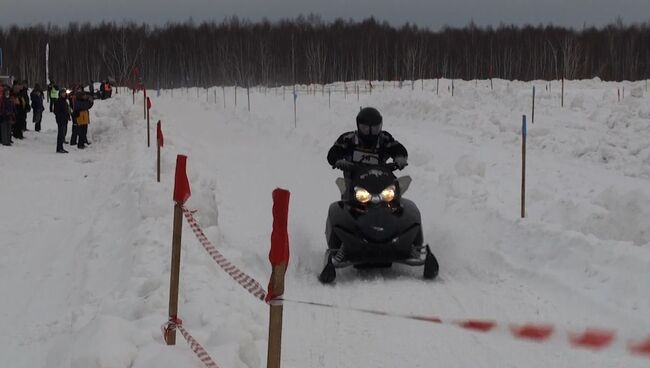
159, 134
181, 185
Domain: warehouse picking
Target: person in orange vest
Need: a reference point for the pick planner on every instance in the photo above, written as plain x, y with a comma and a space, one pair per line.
105, 90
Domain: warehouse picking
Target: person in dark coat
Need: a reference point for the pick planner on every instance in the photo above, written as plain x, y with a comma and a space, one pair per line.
24, 93
49, 86
21, 111
37, 106
367, 145
62, 115
82, 105
72, 97
7, 115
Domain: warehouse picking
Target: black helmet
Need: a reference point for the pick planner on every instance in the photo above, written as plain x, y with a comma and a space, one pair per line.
369, 123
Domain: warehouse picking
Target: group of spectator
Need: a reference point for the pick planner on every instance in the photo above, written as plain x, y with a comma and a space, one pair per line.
66, 105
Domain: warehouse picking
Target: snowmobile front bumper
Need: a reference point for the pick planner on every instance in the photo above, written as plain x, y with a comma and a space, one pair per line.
356, 250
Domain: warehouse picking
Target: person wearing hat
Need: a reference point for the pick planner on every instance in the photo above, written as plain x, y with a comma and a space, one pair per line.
80, 109
62, 114
37, 98
369, 144
7, 115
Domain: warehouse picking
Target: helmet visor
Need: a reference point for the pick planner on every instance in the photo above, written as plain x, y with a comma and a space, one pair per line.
366, 129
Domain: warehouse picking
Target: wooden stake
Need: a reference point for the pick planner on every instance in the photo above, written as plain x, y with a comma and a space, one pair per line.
274, 354
144, 104
175, 270
148, 129
563, 91
619, 94
158, 162
329, 97
437, 86
248, 94
295, 110
523, 167
532, 118
452, 88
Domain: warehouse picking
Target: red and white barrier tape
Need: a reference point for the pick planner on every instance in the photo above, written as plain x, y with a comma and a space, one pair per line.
591, 338
247, 282
177, 324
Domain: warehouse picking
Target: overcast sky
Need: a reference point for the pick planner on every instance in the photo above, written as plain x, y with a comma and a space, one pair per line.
427, 13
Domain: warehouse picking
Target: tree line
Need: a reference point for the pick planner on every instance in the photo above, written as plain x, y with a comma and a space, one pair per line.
308, 50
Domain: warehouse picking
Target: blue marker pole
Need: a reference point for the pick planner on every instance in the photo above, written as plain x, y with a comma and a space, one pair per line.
523, 166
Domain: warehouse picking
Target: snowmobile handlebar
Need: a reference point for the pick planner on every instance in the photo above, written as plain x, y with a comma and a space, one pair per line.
353, 166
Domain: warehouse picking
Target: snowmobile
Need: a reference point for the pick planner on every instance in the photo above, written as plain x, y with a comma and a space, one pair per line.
373, 225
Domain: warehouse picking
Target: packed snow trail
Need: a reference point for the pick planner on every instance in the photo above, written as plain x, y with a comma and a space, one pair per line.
465, 165
579, 259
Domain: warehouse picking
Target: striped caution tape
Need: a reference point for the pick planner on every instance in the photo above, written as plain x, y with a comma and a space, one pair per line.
177, 324
596, 339
247, 282
590, 338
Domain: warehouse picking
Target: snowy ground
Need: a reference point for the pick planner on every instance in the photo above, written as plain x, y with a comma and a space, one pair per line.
85, 239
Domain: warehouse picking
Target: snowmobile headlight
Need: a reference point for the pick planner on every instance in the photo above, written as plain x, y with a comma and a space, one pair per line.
362, 195
388, 194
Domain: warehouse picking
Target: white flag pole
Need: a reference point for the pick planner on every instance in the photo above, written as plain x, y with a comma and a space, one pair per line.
47, 63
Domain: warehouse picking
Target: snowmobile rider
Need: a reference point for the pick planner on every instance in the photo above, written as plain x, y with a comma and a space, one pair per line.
368, 145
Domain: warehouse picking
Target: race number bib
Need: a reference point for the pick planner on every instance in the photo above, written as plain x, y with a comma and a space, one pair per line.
365, 157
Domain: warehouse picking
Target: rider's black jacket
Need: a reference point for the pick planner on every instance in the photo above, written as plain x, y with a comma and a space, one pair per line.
350, 147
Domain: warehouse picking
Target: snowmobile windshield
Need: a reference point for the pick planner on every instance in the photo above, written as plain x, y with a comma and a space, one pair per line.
373, 178
367, 129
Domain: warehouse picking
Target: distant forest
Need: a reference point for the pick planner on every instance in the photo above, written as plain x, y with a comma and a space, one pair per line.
308, 50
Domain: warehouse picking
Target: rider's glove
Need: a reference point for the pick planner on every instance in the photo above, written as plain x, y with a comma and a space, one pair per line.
400, 161
343, 165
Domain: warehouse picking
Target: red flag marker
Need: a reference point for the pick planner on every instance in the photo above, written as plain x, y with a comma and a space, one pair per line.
159, 134
148, 103
279, 253
280, 238
181, 184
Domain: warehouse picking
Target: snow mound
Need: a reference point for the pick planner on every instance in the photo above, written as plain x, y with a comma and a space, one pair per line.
468, 166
